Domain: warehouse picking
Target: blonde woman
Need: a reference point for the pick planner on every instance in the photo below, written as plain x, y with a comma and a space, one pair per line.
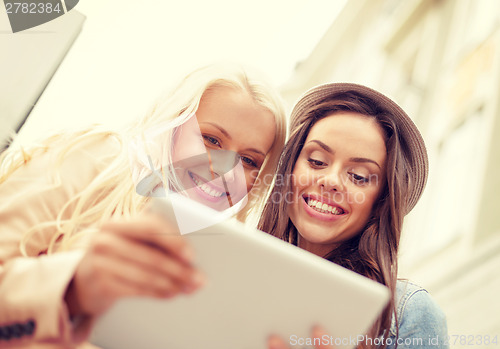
74, 232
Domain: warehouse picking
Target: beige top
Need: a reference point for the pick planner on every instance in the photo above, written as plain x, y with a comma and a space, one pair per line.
32, 288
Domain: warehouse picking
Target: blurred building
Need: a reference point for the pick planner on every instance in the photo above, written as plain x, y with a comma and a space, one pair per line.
440, 60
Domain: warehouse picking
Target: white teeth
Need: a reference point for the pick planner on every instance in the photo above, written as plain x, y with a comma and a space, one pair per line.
323, 207
206, 188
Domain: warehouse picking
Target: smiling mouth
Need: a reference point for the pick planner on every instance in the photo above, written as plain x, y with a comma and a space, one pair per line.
323, 207
203, 186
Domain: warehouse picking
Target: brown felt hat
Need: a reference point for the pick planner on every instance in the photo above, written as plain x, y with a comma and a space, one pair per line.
410, 137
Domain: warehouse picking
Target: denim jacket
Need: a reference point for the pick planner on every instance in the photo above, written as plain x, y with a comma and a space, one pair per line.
422, 324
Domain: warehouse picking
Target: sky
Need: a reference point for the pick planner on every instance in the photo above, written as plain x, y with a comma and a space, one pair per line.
272, 34
128, 52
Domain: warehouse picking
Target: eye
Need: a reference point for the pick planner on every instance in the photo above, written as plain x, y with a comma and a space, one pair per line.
212, 141
357, 179
316, 163
248, 161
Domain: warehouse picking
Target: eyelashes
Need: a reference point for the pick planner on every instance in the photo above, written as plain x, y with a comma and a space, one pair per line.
211, 142
316, 163
248, 161
355, 178
358, 179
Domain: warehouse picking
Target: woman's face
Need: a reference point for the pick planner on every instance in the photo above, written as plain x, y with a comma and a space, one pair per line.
337, 178
231, 126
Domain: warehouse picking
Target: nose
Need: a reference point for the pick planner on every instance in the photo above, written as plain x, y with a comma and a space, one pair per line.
229, 176
222, 163
331, 181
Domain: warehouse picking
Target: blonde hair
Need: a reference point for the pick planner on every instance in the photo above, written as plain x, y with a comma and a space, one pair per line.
112, 192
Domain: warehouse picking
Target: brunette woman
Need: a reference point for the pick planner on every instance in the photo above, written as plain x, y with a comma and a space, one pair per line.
354, 166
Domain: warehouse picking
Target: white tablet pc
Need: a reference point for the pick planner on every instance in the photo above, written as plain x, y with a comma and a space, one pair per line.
257, 285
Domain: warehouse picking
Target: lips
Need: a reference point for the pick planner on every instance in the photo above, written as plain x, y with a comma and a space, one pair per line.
206, 187
323, 205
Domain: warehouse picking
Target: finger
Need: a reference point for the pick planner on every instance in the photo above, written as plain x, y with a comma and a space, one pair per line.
320, 336
115, 288
97, 286
149, 258
276, 342
152, 229
131, 275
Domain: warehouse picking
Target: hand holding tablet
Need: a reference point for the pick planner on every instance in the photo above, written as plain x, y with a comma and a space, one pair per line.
256, 285
142, 257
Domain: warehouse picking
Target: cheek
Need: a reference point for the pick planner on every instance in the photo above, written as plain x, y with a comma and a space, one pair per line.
178, 153
301, 178
250, 176
296, 186
187, 146
363, 201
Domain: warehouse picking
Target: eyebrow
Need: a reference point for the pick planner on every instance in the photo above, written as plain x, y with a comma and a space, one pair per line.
225, 133
356, 159
222, 130
323, 145
364, 160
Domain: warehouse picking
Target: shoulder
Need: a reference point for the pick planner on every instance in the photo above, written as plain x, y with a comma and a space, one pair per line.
418, 314
414, 302
43, 185
68, 161
93, 142
87, 152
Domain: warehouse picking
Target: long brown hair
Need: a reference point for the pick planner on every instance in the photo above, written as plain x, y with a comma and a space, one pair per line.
373, 252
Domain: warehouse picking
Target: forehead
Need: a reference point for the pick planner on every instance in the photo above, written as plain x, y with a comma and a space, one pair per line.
224, 101
354, 133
